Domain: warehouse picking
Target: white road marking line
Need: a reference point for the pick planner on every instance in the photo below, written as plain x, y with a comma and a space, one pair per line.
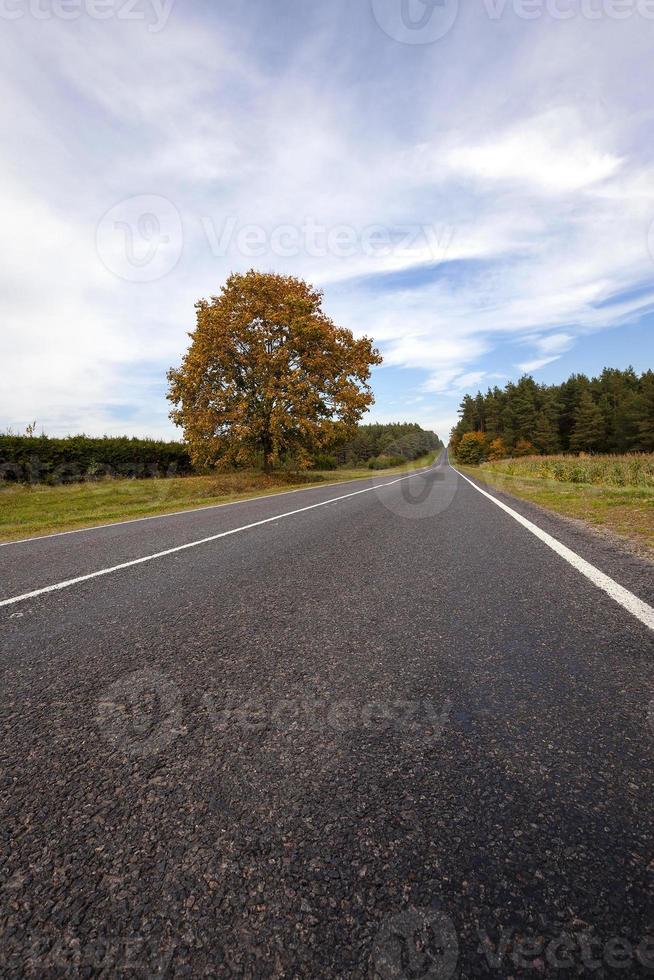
194, 544
641, 610
177, 513
195, 510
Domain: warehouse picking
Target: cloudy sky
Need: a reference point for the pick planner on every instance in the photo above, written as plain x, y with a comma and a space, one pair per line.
473, 187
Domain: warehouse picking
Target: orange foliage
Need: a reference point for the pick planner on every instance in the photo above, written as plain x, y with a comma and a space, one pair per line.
471, 448
268, 373
524, 448
497, 449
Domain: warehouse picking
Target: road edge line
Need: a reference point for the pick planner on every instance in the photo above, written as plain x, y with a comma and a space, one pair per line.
637, 607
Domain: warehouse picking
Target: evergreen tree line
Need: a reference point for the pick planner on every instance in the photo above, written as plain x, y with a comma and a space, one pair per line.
613, 413
377, 445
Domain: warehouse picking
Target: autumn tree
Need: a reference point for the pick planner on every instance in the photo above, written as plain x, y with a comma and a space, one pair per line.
472, 448
268, 373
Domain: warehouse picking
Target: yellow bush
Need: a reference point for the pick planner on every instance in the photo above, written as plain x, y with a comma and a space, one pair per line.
472, 448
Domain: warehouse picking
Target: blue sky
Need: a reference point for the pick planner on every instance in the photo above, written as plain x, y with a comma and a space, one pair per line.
470, 185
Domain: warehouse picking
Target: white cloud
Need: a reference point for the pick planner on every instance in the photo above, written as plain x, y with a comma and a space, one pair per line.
453, 380
551, 346
555, 343
540, 362
552, 152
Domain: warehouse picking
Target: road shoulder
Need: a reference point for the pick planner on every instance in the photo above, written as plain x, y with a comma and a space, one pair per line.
626, 560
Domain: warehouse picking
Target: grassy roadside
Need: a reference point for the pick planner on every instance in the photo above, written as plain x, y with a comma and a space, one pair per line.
27, 511
627, 510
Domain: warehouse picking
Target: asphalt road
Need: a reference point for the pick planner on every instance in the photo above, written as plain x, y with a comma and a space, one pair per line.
394, 736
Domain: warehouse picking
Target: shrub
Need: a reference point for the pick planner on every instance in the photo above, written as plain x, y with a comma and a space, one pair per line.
324, 462
524, 448
472, 448
497, 449
385, 462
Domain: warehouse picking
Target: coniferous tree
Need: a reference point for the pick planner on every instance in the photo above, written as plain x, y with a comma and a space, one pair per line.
546, 430
494, 405
588, 432
643, 410
524, 408
545, 436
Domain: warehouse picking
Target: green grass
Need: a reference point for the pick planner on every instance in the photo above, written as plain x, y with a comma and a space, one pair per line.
615, 493
26, 511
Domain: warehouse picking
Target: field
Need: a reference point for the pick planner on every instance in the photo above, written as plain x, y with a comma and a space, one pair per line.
615, 493
28, 510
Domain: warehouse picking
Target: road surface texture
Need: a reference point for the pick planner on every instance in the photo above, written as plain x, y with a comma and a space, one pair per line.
395, 736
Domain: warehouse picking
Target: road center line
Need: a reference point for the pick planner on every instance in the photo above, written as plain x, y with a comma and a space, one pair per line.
58, 586
183, 513
641, 610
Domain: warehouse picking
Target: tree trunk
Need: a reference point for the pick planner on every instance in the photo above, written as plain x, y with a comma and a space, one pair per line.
266, 444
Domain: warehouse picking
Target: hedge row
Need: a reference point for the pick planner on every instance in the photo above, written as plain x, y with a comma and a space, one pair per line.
41, 459
46, 460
